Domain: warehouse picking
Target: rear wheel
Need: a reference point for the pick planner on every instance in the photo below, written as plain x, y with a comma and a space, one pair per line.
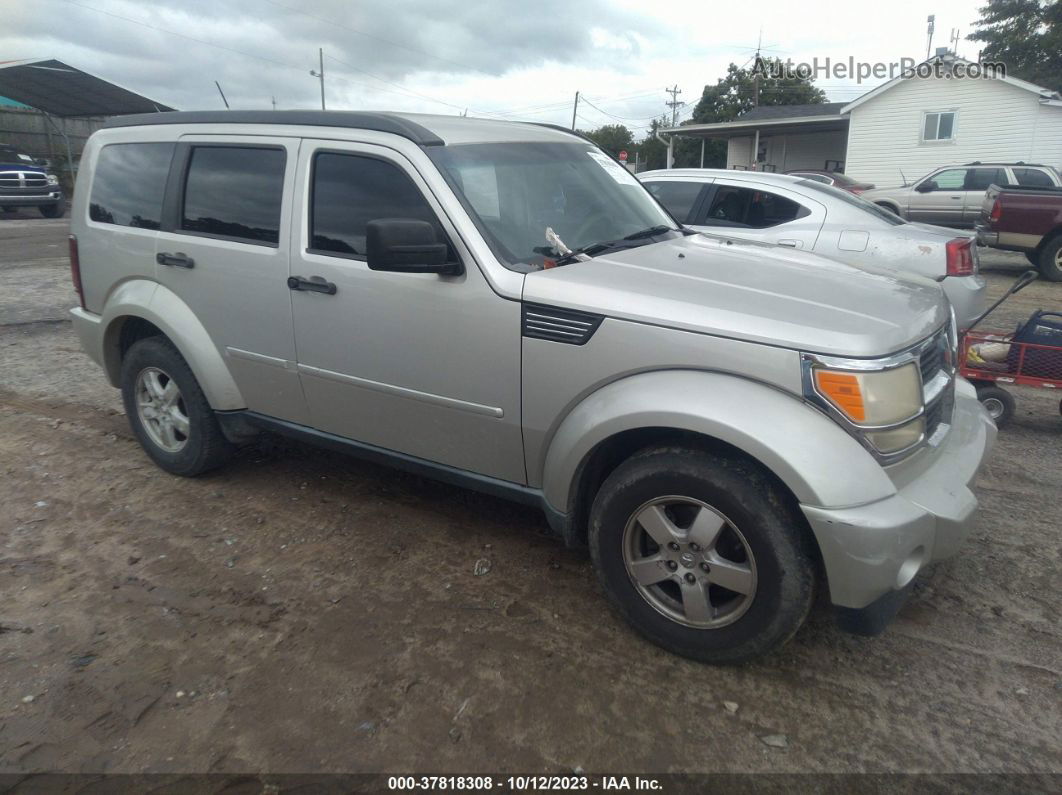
168, 412
702, 554
52, 210
998, 402
1050, 262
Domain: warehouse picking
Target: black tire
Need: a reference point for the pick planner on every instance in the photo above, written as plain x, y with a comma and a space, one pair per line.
998, 402
9, 210
53, 210
775, 535
1050, 262
204, 447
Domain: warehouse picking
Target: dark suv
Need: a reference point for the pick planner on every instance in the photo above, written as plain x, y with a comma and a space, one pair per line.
25, 183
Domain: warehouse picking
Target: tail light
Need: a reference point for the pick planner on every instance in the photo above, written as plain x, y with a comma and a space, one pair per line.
75, 270
960, 257
997, 212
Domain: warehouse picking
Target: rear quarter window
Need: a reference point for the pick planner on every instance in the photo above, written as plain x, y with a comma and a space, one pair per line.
1033, 177
129, 184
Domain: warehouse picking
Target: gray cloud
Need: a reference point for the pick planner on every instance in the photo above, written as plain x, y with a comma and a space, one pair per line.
369, 45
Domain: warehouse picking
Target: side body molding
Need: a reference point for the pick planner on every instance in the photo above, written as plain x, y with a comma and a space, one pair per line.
820, 463
161, 307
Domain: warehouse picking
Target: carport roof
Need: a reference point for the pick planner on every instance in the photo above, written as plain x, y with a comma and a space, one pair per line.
771, 118
61, 90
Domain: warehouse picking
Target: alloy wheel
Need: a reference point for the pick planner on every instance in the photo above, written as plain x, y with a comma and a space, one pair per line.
689, 562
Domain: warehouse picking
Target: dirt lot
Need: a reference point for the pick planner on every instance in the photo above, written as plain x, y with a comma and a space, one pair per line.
300, 611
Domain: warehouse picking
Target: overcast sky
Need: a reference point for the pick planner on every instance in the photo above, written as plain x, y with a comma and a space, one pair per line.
502, 58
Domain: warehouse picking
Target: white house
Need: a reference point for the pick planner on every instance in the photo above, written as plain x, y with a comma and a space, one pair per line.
903, 128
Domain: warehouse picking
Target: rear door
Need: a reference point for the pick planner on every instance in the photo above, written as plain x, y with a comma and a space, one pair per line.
977, 182
943, 202
748, 211
223, 249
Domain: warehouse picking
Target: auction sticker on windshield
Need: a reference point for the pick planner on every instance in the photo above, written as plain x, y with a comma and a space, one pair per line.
614, 169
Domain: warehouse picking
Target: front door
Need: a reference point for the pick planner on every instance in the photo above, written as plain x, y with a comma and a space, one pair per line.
416, 363
942, 203
223, 250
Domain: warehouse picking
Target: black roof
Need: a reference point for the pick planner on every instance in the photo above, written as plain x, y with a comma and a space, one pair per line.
380, 122
791, 111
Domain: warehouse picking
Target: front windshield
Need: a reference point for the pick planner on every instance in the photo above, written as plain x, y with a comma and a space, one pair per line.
856, 201
9, 154
515, 191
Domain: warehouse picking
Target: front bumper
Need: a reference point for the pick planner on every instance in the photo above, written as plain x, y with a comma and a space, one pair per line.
31, 197
871, 551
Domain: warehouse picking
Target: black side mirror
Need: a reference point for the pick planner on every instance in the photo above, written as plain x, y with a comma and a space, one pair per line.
927, 186
406, 245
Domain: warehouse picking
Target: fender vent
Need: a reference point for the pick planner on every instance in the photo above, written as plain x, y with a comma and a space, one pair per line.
559, 325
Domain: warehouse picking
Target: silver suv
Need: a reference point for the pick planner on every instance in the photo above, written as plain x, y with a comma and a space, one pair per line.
503, 306
952, 195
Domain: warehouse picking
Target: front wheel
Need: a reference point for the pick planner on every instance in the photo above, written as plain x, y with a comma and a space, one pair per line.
168, 411
52, 210
702, 554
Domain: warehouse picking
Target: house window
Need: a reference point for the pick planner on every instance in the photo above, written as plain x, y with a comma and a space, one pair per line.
938, 126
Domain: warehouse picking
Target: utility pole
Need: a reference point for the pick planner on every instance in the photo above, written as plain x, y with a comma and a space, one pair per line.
575, 110
320, 74
954, 41
274, 103
674, 104
756, 72
931, 20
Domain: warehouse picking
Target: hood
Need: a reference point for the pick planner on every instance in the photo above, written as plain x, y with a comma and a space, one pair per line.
20, 165
750, 291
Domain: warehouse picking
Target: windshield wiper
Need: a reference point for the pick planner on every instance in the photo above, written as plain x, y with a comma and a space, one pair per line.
652, 231
628, 241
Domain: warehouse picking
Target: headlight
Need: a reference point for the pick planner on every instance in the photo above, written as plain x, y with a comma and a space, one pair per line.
883, 406
53, 180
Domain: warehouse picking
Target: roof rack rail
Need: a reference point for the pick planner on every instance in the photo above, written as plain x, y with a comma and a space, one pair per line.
379, 122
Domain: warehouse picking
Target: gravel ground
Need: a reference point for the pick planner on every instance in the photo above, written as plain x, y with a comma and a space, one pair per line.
299, 611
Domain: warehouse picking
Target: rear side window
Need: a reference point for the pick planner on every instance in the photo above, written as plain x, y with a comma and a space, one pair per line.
751, 209
129, 183
351, 190
677, 197
234, 192
981, 178
1032, 177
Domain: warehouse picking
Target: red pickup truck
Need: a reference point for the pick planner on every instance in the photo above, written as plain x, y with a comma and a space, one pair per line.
1028, 219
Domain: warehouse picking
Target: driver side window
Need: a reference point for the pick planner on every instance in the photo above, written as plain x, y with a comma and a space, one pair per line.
952, 179
348, 191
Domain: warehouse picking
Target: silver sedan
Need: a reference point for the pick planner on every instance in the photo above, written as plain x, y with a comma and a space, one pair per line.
804, 214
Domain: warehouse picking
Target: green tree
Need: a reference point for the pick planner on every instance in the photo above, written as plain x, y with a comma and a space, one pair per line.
735, 93
1026, 35
731, 96
612, 138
